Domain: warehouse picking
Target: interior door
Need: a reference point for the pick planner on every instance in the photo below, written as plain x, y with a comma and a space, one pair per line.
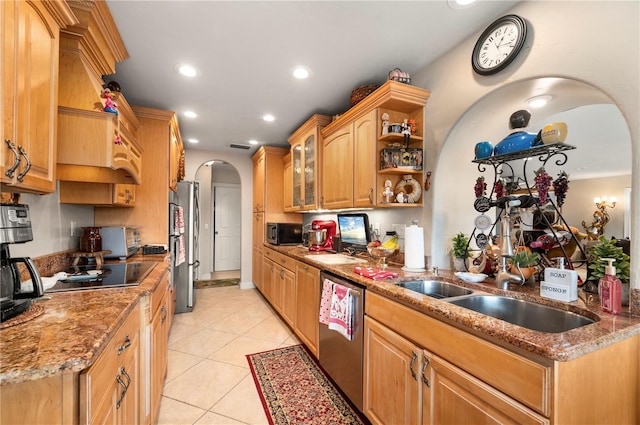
226, 233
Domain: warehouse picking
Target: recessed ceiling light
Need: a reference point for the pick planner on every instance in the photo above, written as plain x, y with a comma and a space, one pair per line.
187, 70
460, 4
539, 101
301, 72
194, 141
190, 114
268, 118
253, 142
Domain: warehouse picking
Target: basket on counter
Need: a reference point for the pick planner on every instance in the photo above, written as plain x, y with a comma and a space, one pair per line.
361, 92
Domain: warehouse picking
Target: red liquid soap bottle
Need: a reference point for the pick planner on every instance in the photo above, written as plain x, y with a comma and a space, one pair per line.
610, 289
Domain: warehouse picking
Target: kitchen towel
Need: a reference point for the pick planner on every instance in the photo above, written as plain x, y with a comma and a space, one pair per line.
181, 254
341, 312
413, 249
325, 301
178, 224
373, 273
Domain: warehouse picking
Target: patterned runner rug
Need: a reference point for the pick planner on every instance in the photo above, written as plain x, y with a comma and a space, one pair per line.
294, 390
217, 283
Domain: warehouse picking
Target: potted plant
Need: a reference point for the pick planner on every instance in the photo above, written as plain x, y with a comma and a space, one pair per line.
460, 251
526, 260
606, 248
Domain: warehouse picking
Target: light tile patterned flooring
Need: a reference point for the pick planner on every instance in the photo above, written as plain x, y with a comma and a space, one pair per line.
209, 380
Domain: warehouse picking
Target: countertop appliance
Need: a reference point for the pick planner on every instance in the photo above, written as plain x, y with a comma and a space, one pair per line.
106, 276
340, 358
15, 227
122, 241
321, 235
284, 233
184, 225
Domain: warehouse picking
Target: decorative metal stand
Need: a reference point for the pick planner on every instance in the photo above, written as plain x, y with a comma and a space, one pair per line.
544, 153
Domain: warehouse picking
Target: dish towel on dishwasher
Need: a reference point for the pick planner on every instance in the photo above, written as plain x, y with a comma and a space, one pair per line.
341, 312
325, 301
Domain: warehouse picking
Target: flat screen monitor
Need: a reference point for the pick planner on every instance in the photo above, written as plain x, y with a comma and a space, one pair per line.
354, 231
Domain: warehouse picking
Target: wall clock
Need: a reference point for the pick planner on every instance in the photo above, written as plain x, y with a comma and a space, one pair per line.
499, 44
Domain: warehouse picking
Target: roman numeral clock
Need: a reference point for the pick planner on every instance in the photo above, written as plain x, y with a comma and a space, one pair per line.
499, 45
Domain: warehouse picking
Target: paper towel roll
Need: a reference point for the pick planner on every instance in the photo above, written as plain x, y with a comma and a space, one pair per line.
414, 249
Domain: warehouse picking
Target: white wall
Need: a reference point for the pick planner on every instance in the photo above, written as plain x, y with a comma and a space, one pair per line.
565, 41
51, 222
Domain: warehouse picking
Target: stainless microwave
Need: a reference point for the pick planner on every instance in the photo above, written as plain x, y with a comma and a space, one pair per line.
284, 233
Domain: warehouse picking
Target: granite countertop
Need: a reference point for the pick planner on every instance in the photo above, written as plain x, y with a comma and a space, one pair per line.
563, 346
73, 330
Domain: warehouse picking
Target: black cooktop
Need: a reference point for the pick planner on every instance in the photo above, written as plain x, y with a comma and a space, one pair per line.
105, 276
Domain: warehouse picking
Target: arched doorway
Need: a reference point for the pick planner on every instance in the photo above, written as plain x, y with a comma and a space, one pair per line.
220, 231
586, 109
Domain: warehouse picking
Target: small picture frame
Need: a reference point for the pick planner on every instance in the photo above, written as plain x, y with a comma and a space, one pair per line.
390, 158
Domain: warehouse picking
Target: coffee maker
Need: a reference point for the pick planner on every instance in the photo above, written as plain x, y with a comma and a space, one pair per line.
321, 235
15, 227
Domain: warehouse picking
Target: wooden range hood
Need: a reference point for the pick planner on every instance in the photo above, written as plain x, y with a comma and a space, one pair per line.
87, 149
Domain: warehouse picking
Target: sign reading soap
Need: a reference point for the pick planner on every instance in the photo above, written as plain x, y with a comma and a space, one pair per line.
408, 159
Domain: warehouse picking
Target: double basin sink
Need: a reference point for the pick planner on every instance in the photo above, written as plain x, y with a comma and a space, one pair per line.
526, 314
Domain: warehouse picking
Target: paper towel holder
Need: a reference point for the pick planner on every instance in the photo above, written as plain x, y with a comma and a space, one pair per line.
419, 254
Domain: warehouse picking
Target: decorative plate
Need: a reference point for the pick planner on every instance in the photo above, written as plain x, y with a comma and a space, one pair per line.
482, 222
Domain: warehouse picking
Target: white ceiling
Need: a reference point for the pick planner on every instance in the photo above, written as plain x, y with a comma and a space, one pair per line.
244, 52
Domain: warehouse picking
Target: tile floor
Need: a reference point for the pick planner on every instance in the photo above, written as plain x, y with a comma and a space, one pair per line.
209, 381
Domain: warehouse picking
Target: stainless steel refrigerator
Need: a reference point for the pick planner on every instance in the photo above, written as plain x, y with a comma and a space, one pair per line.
184, 225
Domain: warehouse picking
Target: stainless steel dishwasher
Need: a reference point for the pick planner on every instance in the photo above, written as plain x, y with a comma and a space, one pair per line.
340, 358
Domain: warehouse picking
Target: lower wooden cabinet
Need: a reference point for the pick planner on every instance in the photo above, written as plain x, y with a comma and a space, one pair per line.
160, 326
307, 305
293, 289
404, 383
109, 389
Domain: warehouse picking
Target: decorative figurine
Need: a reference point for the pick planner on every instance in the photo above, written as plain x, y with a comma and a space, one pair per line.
385, 123
109, 102
388, 193
406, 132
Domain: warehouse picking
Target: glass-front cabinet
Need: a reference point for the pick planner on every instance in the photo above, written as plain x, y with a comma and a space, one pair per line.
305, 159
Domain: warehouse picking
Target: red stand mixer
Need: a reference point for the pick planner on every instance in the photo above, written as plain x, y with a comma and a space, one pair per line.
321, 235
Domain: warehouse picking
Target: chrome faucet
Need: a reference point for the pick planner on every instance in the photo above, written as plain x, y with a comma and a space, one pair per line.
504, 277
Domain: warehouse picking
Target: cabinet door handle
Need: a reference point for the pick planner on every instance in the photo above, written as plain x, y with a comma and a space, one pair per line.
371, 195
164, 314
27, 168
124, 386
424, 377
12, 169
414, 356
127, 344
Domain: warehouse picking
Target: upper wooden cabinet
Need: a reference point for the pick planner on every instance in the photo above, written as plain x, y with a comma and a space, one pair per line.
353, 149
268, 171
29, 87
159, 136
305, 164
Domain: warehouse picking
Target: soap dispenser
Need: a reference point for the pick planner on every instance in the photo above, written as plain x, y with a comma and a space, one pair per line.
610, 289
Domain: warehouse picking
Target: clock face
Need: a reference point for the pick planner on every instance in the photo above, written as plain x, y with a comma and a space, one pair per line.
499, 44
